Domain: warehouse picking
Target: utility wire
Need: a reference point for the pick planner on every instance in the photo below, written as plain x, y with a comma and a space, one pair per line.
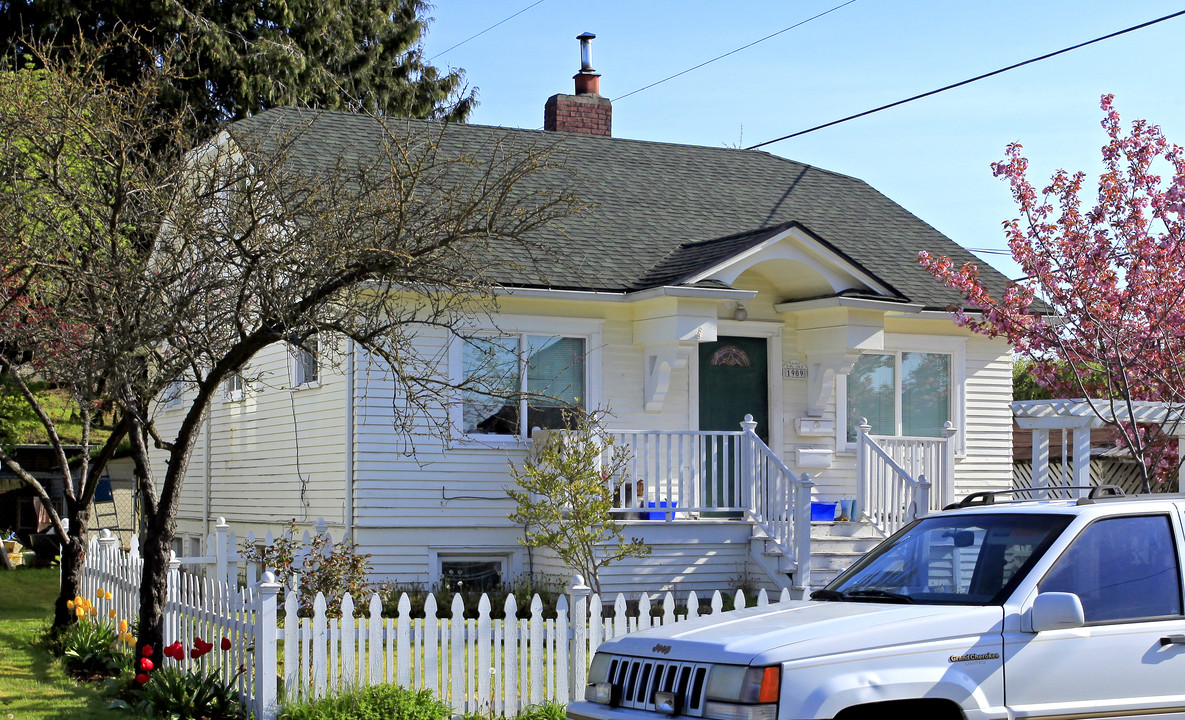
966, 82
732, 52
483, 32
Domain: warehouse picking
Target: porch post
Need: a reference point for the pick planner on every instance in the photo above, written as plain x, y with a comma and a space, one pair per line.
946, 493
749, 463
862, 488
802, 531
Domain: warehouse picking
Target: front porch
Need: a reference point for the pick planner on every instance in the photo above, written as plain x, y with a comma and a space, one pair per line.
689, 477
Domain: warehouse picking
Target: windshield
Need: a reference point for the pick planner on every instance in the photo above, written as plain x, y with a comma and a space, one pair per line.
950, 559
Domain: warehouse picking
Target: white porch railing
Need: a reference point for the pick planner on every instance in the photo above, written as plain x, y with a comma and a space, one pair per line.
675, 473
684, 474
894, 477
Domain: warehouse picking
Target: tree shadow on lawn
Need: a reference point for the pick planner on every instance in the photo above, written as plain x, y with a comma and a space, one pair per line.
35, 685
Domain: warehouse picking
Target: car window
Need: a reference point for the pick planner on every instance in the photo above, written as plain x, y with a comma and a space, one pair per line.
967, 559
1122, 568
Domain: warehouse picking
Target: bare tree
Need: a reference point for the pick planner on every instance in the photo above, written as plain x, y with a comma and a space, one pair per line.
265, 235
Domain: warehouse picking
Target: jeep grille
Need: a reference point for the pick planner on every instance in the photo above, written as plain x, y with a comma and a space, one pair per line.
640, 678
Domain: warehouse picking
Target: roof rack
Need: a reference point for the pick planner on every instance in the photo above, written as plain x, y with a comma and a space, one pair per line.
988, 497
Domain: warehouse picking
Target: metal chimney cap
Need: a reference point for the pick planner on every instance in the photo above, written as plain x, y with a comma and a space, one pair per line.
585, 39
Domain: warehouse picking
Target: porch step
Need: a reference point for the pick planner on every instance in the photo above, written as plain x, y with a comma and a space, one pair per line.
835, 546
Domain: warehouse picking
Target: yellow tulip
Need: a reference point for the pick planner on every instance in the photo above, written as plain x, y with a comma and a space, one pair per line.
111, 613
94, 612
109, 595
69, 604
123, 626
79, 612
100, 592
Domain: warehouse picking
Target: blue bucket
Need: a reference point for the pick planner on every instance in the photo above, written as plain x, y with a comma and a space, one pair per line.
823, 511
659, 504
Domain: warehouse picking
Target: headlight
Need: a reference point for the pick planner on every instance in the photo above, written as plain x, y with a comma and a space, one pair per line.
736, 692
740, 684
599, 690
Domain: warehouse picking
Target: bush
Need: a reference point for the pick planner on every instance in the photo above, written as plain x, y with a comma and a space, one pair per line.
180, 694
378, 702
543, 711
332, 569
549, 588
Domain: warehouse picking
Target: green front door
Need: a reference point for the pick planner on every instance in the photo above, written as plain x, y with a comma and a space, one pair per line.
733, 383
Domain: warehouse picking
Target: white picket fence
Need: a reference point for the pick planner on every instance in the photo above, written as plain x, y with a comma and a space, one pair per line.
493, 666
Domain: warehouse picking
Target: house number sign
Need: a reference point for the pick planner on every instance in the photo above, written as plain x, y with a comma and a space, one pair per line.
793, 370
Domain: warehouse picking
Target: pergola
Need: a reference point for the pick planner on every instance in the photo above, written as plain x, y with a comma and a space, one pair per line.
1079, 416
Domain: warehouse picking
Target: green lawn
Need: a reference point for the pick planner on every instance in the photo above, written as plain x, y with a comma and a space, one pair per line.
32, 684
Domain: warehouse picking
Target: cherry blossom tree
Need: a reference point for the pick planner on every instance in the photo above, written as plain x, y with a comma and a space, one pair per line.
1099, 312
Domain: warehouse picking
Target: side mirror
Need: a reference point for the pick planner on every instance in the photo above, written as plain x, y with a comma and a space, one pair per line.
1056, 611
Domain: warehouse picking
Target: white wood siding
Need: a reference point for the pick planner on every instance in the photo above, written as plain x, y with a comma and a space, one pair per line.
275, 455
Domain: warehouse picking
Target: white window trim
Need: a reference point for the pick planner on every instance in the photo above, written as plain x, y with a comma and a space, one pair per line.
507, 555
231, 394
173, 394
295, 368
896, 344
588, 329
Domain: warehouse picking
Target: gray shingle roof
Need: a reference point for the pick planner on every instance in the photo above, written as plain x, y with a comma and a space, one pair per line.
662, 212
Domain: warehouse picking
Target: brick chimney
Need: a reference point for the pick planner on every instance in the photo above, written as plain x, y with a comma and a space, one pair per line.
586, 111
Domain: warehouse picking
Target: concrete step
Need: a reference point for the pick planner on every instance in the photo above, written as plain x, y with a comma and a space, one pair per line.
858, 530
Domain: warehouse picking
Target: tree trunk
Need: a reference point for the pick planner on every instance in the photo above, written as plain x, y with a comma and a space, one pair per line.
72, 558
154, 585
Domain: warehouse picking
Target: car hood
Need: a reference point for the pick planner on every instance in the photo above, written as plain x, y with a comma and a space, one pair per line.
802, 629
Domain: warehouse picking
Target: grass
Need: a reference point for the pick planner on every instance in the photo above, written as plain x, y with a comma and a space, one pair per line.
33, 685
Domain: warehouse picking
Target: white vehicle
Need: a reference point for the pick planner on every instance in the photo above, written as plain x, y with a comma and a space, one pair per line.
1025, 609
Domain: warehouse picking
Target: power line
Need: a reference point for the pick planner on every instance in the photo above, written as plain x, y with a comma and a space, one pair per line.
733, 52
968, 81
483, 32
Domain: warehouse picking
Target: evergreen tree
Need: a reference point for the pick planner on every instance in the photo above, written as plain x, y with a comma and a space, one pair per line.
235, 58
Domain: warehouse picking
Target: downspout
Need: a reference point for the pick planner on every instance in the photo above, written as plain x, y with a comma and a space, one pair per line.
349, 469
206, 475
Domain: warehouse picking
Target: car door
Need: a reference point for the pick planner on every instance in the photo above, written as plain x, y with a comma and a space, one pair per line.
1126, 571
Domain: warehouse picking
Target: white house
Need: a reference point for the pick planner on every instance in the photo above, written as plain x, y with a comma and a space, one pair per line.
705, 285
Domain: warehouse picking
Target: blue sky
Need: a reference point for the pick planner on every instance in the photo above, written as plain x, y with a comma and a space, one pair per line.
932, 156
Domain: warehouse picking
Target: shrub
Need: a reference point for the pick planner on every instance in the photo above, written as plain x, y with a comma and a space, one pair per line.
378, 702
180, 694
543, 711
332, 569
549, 588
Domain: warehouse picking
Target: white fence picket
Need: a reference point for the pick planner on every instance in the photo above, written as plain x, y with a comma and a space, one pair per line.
485, 665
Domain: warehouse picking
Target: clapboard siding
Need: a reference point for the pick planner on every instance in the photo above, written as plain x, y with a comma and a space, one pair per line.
714, 555
277, 454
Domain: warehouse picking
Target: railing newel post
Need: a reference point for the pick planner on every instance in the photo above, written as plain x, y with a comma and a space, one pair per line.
947, 478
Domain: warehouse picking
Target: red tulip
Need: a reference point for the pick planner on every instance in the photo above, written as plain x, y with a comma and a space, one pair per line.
145, 664
146, 651
225, 644
142, 678
195, 653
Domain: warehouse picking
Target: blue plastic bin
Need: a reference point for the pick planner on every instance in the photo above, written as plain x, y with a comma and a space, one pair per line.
823, 511
659, 504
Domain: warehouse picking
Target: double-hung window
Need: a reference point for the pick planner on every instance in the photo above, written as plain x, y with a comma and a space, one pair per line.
911, 393
513, 383
306, 364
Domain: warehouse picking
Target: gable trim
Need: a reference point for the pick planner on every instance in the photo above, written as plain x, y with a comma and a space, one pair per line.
812, 242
